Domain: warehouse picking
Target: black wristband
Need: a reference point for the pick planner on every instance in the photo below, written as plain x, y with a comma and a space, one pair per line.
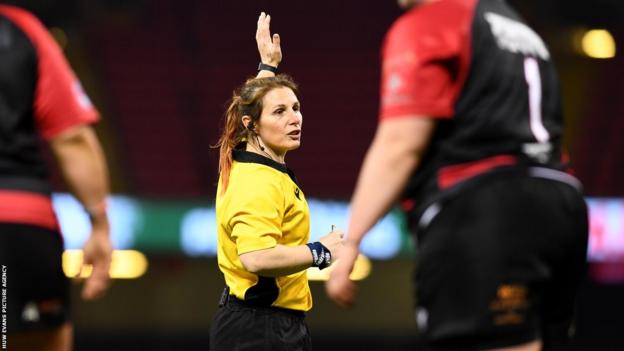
265, 67
321, 256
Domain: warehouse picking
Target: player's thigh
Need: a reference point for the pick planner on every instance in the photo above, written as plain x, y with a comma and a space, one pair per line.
37, 289
568, 260
481, 267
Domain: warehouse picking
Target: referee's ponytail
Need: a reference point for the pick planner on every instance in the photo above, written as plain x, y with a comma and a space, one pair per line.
229, 139
246, 101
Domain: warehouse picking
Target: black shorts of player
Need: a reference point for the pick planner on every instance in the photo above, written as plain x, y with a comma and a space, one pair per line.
37, 291
500, 265
239, 327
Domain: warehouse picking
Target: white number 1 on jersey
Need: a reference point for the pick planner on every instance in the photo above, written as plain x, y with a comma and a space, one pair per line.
532, 75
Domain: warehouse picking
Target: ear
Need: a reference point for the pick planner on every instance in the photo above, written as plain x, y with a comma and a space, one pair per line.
245, 120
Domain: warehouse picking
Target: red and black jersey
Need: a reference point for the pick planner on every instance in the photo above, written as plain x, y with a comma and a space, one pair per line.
486, 76
40, 97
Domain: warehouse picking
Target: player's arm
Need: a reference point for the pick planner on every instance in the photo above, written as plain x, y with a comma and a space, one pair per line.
63, 114
396, 151
268, 46
283, 260
83, 167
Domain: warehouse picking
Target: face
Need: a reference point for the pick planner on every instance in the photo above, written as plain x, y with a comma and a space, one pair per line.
281, 120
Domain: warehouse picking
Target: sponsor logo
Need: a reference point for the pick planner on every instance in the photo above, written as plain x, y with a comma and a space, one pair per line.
510, 305
516, 37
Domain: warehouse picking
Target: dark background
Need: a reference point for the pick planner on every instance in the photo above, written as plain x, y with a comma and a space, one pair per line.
161, 73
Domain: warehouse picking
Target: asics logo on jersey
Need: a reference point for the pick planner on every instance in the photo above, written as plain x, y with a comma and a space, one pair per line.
516, 37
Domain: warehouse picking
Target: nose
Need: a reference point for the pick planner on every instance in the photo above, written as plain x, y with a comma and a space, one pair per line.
296, 120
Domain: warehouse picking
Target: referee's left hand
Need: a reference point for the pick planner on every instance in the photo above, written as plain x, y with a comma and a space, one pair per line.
268, 45
340, 288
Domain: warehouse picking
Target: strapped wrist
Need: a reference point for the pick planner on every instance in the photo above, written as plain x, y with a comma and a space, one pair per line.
265, 67
321, 256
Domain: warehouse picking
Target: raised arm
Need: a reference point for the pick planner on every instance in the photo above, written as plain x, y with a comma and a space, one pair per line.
268, 46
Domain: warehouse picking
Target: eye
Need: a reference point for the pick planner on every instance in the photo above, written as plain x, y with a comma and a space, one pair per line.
279, 111
296, 107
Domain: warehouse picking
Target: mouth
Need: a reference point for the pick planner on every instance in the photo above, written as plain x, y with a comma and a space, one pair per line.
295, 134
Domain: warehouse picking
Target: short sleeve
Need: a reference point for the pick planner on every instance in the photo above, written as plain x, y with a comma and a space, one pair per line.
418, 61
60, 102
256, 223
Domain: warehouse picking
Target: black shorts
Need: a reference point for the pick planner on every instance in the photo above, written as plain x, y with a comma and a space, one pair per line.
500, 265
37, 291
238, 327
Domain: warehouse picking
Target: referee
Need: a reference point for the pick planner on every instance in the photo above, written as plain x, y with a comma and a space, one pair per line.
41, 99
263, 220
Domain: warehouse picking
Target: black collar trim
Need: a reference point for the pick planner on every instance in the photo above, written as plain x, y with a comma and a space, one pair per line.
252, 157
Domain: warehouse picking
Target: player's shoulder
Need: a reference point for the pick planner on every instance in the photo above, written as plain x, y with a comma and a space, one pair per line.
20, 16
11, 10
434, 16
26, 22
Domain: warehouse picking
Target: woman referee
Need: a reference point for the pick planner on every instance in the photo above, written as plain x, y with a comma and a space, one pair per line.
262, 216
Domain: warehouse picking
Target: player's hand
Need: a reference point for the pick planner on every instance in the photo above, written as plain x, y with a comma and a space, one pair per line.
339, 287
97, 252
333, 242
268, 47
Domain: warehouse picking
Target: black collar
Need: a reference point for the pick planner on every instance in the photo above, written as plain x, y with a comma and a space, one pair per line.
252, 157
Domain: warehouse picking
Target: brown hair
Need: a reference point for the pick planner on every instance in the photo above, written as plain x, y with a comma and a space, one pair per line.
246, 100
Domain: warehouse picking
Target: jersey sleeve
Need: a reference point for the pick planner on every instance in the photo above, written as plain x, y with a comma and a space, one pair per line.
256, 224
59, 101
419, 66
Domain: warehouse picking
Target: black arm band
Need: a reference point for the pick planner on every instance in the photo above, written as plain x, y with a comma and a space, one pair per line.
321, 256
265, 67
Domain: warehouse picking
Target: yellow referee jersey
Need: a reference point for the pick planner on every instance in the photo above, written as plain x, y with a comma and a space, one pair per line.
262, 207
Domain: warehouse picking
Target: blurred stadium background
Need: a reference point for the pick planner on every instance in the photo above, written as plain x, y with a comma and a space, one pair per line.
161, 72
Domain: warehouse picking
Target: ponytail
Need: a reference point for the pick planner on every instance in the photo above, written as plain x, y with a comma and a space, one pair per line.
228, 141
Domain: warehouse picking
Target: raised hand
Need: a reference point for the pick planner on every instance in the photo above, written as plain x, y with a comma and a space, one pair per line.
268, 46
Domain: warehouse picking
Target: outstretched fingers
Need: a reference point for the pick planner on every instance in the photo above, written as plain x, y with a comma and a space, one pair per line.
269, 46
